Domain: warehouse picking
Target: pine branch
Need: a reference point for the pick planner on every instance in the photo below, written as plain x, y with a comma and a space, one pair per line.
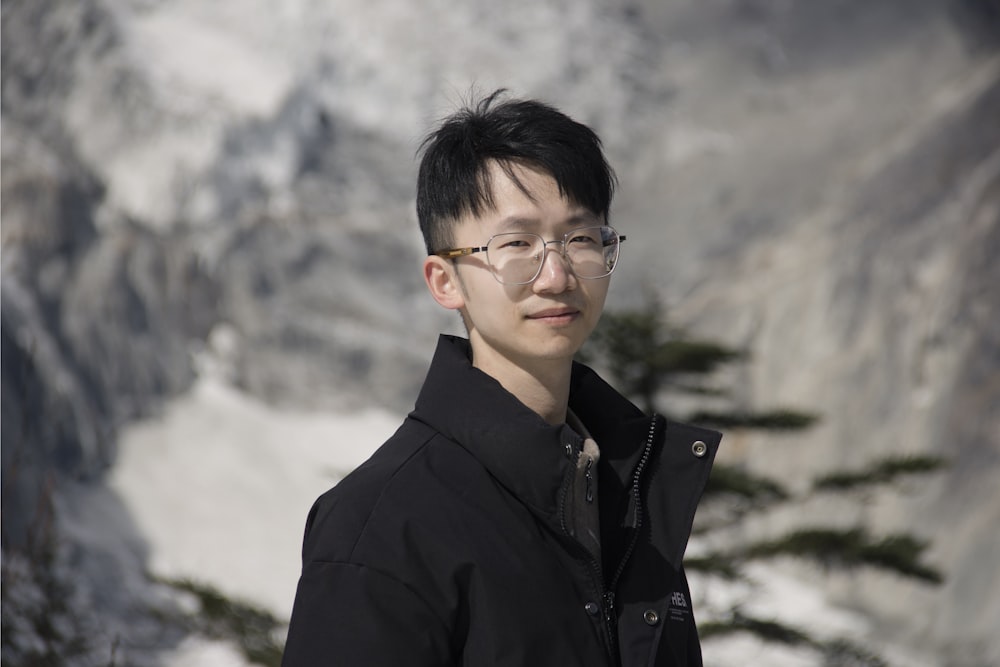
691, 356
841, 652
732, 480
881, 472
691, 387
644, 354
252, 628
782, 419
898, 553
768, 630
715, 564
835, 652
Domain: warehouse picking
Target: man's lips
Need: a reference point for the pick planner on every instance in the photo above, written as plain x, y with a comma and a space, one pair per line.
554, 313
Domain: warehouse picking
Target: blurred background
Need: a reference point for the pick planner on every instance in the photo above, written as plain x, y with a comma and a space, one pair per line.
212, 308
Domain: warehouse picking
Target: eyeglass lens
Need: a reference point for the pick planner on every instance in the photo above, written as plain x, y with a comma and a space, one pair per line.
516, 258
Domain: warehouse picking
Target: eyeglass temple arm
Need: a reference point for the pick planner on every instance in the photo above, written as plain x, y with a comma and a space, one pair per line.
458, 252
452, 253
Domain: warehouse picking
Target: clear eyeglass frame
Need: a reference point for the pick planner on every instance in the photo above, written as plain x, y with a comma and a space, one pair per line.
610, 244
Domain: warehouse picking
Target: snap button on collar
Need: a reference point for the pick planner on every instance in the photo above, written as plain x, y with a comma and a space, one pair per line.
651, 617
699, 448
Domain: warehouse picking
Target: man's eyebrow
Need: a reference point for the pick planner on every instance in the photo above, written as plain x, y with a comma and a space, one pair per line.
583, 217
520, 223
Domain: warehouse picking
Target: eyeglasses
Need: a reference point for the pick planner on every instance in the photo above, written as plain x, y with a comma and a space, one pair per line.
516, 258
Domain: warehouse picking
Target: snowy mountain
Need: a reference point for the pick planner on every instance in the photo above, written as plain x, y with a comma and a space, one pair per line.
211, 302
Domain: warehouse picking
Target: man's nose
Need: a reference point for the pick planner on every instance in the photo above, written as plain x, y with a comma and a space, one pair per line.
556, 274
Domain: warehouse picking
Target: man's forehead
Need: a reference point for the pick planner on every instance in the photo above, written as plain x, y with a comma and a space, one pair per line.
494, 221
530, 180
515, 193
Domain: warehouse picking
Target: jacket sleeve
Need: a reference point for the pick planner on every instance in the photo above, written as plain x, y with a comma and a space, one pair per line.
349, 614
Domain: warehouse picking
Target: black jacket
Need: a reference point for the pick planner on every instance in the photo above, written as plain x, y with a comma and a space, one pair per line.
449, 546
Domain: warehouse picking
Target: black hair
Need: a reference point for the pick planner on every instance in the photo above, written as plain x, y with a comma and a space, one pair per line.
454, 172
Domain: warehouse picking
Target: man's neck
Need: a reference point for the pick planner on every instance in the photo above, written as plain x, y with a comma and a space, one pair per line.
544, 388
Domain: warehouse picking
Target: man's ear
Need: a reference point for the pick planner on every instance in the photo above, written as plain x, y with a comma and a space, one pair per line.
442, 280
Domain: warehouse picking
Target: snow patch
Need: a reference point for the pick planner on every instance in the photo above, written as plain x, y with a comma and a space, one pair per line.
200, 652
221, 483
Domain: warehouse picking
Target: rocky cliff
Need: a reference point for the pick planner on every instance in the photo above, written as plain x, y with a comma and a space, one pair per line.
818, 182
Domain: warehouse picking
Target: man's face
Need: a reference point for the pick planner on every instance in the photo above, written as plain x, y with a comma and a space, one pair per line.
544, 321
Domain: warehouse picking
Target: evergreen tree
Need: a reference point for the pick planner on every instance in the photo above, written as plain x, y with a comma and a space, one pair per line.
650, 359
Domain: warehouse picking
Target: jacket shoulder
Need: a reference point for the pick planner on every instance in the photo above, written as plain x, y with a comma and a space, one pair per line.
680, 433
339, 516
678, 475
404, 471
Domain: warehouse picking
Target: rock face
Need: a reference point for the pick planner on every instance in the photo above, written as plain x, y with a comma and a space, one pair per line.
878, 313
819, 182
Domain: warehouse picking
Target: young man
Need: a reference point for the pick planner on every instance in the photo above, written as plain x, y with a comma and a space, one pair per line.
525, 513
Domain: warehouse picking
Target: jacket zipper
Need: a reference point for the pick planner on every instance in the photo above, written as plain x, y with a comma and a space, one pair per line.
637, 496
609, 597
595, 566
608, 592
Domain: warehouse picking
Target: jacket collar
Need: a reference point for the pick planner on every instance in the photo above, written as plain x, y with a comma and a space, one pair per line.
519, 448
528, 456
618, 426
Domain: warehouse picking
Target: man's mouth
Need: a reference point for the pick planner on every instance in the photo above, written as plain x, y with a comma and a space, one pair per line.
555, 315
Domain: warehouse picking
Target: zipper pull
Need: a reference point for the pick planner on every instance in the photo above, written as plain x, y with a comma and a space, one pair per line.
609, 604
611, 619
589, 476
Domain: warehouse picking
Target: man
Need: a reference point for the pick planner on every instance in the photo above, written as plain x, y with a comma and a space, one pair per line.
524, 513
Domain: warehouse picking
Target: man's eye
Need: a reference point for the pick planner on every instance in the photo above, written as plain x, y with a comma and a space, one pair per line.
515, 243
582, 240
